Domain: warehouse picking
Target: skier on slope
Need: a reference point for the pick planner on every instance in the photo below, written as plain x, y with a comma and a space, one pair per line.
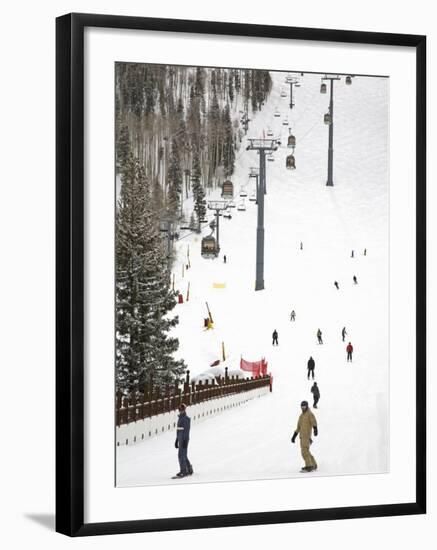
336, 285
305, 425
355, 280
311, 366
293, 316
316, 394
319, 336
275, 337
181, 443
349, 349
343, 333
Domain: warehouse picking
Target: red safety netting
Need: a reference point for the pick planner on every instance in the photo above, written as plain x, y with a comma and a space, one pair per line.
257, 368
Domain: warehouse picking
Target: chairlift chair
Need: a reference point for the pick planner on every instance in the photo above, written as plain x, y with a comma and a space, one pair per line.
252, 197
348, 80
285, 122
241, 207
291, 141
290, 162
228, 189
323, 88
209, 247
243, 193
327, 118
277, 114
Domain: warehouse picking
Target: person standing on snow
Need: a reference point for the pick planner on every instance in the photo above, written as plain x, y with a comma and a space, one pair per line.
316, 394
343, 333
275, 337
355, 280
181, 443
349, 349
305, 425
336, 285
311, 366
224, 258
293, 316
319, 336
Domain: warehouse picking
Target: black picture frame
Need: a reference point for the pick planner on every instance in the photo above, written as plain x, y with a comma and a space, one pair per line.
70, 273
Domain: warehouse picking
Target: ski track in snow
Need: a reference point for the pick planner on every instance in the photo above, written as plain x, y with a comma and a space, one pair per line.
253, 441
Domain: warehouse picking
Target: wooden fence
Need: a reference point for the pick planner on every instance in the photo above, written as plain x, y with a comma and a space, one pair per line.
153, 402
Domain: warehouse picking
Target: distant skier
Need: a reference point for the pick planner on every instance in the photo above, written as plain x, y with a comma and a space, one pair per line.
319, 336
301, 245
181, 443
343, 333
306, 424
275, 337
293, 316
352, 254
224, 258
311, 365
365, 252
336, 285
316, 394
355, 280
349, 349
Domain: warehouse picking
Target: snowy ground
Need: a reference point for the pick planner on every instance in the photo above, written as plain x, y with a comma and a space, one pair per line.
253, 442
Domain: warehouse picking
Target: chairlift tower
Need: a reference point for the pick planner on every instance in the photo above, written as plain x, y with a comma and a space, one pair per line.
218, 206
261, 146
291, 80
330, 181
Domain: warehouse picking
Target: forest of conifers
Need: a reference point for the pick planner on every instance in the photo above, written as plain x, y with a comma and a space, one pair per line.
178, 130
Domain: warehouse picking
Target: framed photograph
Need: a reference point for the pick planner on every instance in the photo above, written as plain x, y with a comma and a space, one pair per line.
240, 274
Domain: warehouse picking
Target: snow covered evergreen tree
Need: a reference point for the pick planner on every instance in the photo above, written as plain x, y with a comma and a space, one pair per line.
174, 178
144, 349
198, 191
228, 145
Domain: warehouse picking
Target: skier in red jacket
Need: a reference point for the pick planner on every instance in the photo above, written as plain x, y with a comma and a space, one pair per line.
349, 349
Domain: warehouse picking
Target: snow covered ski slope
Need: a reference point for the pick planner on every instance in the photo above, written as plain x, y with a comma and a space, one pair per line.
253, 441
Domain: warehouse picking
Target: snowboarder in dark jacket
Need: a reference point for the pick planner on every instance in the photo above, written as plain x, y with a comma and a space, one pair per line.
349, 349
311, 367
275, 337
182, 440
343, 333
336, 285
319, 336
355, 280
293, 316
316, 394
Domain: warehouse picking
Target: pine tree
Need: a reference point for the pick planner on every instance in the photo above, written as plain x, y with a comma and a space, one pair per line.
228, 145
198, 191
122, 146
144, 350
174, 178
